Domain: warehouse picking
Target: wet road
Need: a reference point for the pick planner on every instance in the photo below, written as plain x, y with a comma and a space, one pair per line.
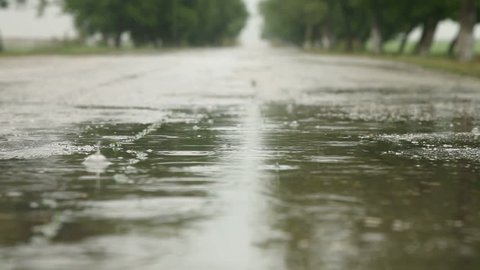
238, 158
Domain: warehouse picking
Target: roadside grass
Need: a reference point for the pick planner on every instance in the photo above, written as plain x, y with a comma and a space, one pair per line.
439, 48
436, 60
77, 49
440, 63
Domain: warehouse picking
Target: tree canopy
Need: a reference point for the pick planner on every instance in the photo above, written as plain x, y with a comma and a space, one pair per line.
352, 24
169, 22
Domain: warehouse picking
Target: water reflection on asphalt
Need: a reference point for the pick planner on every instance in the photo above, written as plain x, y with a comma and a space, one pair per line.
322, 163
313, 183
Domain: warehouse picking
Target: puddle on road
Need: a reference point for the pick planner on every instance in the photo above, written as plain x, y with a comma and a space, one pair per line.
328, 181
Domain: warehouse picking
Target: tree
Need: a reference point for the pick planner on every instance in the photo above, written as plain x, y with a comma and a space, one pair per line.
306, 22
453, 43
326, 29
3, 4
107, 17
283, 21
429, 13
352, 23
313, 12
383, 17
466, 42
168, 22
406, 21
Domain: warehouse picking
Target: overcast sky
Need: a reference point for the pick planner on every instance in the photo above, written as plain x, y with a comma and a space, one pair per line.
24, 23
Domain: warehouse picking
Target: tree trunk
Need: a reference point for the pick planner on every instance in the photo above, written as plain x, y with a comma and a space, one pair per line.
403, 43
349, 45
327, 38
451, 47
349, 40
466, 41
428, 33
156, 42
117, 40
307, 41
1, 42
175, 23
376, 37
104, 40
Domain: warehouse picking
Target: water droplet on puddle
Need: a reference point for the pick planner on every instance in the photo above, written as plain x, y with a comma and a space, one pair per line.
14, 194
399, 226
50, 203
122, 179
142, 155
293, 124
476, 131
96, 163
34, 205
133, 161
372, 222
290, 108
373, 237
130, 170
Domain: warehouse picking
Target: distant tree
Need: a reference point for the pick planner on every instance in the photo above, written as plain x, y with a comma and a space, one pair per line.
465, 44
429, 13
106, 17
3, 4
283, 21
170, 22
377, 20
349, 22
453, 43
348, 28
352, 23
306, 22
406, 20
384, 18
313, 12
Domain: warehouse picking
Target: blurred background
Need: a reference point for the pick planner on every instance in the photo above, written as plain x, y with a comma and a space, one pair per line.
239, 134
436, 27
120, 24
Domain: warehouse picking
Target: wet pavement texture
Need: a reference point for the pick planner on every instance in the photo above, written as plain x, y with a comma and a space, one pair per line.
237, 158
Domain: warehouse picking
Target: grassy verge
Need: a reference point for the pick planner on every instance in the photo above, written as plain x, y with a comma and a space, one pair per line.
78, 50
439, 48
437, 60
440, 63
74, 48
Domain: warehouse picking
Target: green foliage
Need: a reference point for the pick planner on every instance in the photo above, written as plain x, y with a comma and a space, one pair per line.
349, 23
287, 20
170, 22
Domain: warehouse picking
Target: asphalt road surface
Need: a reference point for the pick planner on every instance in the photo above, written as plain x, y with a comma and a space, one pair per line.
237, 158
